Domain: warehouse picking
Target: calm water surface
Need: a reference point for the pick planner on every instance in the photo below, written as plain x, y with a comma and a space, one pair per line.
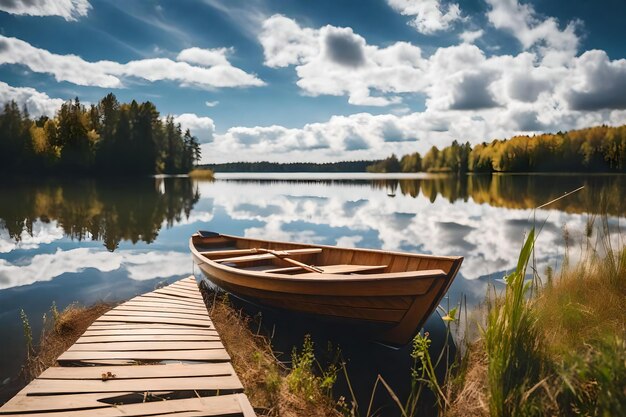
83, 241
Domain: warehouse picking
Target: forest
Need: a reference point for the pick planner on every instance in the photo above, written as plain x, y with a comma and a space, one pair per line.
595, 149
107, 138
346, 166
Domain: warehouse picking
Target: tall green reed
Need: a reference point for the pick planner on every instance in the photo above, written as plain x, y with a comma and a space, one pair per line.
513, 344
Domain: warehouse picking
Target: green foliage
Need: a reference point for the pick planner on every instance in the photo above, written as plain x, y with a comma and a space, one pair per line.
595, 381
411, 162
303, 380
28, 333
273, 380
512, 344
106, 138
423, 372
55, 312
390, 164
264, 166
596, 149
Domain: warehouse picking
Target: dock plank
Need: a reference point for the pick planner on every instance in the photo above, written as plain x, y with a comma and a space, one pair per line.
149, 319
144, 346
171, 370
146, 338
79, 386
74, 406
122, 312
170, 299
143, 306
157, 331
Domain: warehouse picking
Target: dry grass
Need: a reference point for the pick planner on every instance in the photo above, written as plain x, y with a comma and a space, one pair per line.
60, 335
261, 373
201, 174
469, 395
582, 306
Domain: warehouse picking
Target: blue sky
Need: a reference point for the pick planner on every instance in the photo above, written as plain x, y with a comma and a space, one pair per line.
326, 80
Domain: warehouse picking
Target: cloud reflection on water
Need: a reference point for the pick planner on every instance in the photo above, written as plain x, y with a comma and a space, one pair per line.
139, 265
42, 233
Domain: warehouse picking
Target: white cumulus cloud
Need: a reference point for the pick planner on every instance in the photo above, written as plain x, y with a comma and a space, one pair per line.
556, 45
336, 61
204, 68
37, 103
201, 127
429, 16
67, 9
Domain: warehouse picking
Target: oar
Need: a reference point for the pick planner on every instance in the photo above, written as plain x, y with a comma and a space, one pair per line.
283, 256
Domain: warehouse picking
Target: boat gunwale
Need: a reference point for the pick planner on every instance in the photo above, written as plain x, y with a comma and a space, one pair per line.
310, 245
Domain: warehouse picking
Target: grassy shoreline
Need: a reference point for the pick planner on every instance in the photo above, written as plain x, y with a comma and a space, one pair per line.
551, 348
58, 334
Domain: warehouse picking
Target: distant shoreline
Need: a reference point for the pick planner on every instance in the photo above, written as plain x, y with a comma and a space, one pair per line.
385, 176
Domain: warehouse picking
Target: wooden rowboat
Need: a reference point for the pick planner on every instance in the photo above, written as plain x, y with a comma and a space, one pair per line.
389, 294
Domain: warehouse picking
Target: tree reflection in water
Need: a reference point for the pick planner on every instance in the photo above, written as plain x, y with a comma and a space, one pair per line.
602, 193
107, 211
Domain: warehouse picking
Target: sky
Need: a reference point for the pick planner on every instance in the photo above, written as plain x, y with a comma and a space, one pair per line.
320, 81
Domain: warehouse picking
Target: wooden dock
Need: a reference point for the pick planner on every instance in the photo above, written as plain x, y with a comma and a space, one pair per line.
156, 354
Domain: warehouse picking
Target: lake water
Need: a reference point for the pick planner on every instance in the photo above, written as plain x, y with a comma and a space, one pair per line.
82, 241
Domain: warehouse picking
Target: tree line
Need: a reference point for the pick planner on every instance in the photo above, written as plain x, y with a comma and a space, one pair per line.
345, 166
104, 138
595, 149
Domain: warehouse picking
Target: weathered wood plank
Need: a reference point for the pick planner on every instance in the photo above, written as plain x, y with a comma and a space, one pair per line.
87, 339
152, 331
102, 325
122, 312
159, 355
222, 405
179, 293
170, 370
189, 286
149, 319
184, 285
147, 306
191, 292
78, 386
144, 346
28, 404
170, 299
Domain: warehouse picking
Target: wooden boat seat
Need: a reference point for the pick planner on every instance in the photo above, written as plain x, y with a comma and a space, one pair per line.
284, 270
266, 256
346, 269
